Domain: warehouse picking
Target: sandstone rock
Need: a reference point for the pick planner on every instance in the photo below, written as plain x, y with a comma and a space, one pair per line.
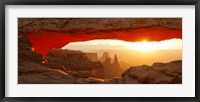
25, 50
173, 68
46, 78
92, 56
125, 72
66, 24
112, 81
82, 74
74, 67
75, 61
27, 67
34, 73
89, 80
111, 69
154, 77
41, 31
128, 80
158, 73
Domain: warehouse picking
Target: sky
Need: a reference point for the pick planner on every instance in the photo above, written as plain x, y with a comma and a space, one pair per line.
143, 46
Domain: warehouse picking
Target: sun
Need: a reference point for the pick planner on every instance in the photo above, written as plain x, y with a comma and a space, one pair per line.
143, 46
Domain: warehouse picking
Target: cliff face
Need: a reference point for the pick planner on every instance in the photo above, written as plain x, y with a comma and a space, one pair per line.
30, 67
25, 50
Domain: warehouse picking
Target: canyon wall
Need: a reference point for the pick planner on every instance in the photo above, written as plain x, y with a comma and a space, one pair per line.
74, 61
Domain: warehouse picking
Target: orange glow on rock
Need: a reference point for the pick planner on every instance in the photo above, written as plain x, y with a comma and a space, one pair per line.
32, 49
43, 41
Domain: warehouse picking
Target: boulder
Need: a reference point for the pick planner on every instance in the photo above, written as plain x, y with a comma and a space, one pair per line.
158, 73
34, 73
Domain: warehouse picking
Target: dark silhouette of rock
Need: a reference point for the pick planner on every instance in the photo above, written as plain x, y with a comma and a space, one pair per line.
25, 50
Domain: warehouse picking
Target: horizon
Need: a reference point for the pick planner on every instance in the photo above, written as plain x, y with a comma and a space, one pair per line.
109, 44
128, 54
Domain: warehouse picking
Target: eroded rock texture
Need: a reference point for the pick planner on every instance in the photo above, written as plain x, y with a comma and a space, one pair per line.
158, 73
75, 61
94, 24
39, 64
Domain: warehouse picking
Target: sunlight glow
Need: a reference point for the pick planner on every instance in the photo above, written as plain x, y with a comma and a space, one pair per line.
143, 46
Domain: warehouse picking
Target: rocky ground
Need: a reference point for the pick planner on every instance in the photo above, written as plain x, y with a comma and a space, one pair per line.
162, 73
158, 73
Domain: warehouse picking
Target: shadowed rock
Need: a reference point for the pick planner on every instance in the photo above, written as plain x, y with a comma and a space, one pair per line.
75, 61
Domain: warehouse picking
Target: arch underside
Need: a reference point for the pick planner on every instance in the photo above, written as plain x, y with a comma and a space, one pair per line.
44, 40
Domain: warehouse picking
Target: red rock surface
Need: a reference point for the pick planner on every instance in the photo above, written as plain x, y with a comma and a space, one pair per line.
44, 41
48, 33
41, 35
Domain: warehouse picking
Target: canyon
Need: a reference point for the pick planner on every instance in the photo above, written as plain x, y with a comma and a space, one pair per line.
74, 67
41, 59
